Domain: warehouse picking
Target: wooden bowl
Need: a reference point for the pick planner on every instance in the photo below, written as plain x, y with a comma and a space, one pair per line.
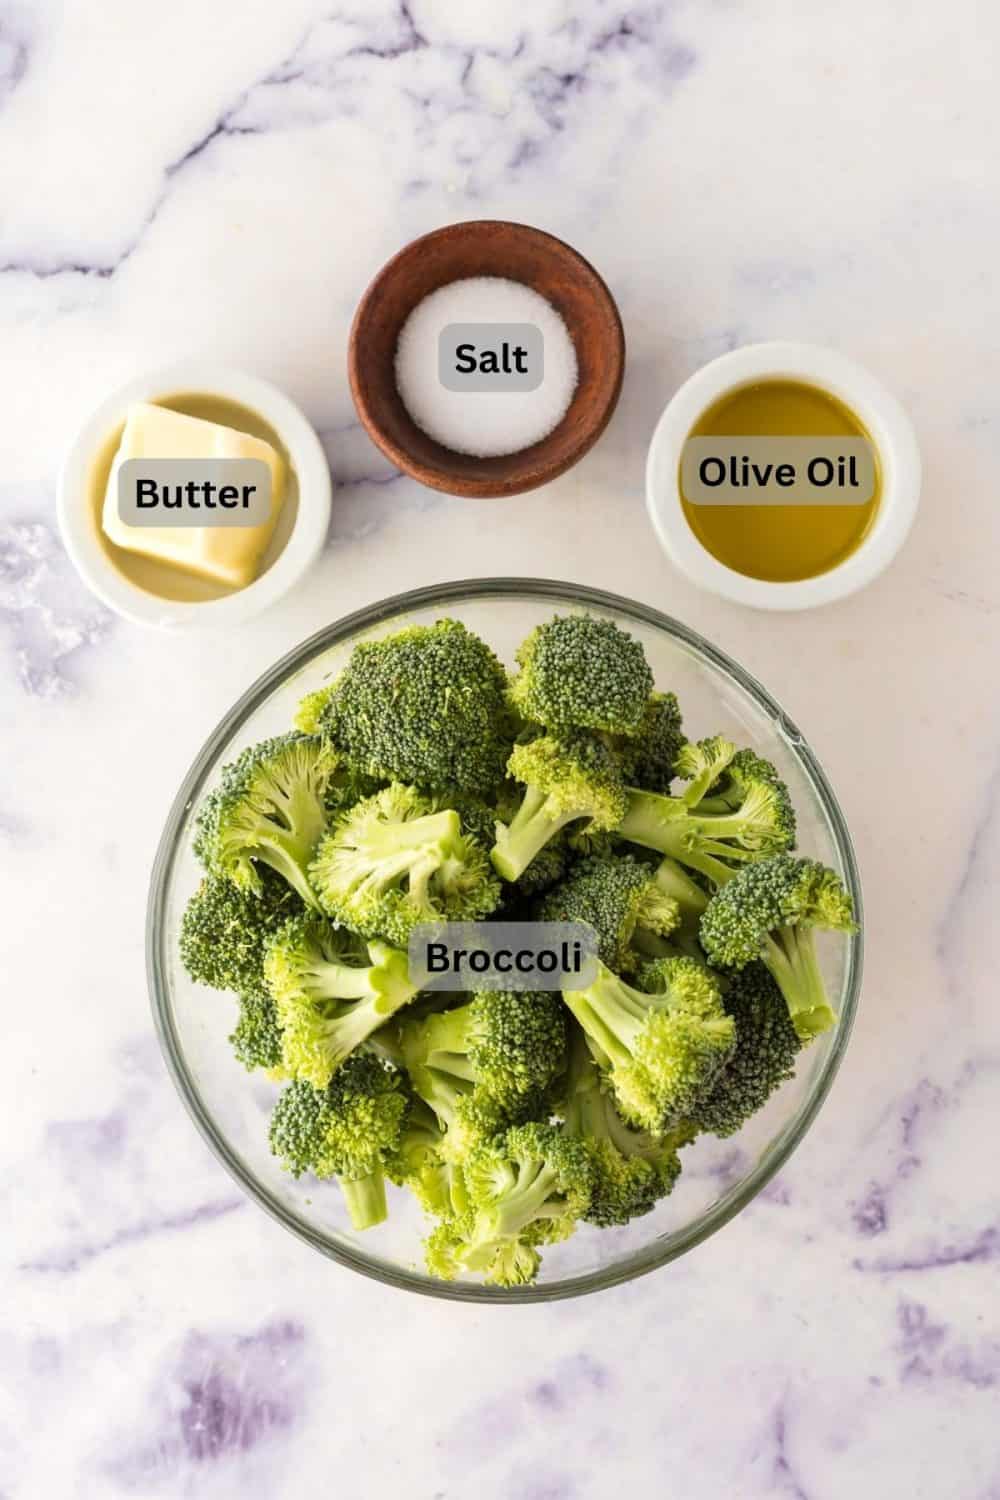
486, 247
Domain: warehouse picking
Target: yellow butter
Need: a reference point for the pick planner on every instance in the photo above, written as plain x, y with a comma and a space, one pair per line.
228, 554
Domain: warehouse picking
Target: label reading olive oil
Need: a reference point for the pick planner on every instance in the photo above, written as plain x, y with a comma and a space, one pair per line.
780, 481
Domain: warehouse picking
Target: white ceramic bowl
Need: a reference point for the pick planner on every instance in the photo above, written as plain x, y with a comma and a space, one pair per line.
304, 543
880, 412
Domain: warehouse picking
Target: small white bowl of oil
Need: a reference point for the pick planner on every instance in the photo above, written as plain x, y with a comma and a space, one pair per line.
778, 556
158, 594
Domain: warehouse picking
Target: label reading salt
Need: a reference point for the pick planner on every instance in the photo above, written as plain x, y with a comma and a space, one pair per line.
491, 357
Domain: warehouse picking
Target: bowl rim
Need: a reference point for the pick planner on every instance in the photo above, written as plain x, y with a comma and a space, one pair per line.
650, 1257
537, 471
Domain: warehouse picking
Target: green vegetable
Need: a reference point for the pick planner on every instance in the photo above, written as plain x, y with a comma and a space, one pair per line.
510, 1045
424, 706
567, 779
225, 930
632, 1170
706, 830
391, 862
419, 786
623, 902
332, 991
578, 672
768, 911
530, 1187
662, 1050
767, 1046
269, 809
349, 1129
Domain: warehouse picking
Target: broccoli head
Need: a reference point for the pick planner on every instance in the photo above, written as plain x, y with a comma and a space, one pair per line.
749, 819
421, 1164
579, 672
509, 1045
647, 758
661, 1050
564, 780
256, 1039
632, 1170
767, 1045
768, 911
225, 930
349, 1130
467, 1112
426, 705
620, 899
269, 809
528, 1188
332, 991
391, 862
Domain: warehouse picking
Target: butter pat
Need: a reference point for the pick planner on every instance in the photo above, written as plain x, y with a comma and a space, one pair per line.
227, 554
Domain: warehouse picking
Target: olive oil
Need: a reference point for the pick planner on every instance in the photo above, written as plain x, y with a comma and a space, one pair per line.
781, 543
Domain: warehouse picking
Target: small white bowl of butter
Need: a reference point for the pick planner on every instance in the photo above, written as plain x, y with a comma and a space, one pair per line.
194, 576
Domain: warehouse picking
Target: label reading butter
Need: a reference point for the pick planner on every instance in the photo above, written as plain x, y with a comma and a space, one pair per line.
778, 471
491, 357
194, 492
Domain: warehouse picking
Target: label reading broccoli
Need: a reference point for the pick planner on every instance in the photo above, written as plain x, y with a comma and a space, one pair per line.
502, 955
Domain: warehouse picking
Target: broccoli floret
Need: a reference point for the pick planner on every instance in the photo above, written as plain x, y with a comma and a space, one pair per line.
632, 1170
751, 818
647, 759
309, 713
256, 1039
578, 672
528, 1188
390, 862
421, 1164
426, 706
564, 780
767, 1045
225, 930
485, 1066
768, 911
349, 1130
509, 1045
620, 899
332, 991
269, 809
661, 1051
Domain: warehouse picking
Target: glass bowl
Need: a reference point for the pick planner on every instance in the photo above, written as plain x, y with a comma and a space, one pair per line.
230, 1107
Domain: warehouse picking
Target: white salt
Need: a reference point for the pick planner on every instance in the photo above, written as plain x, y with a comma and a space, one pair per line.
484, 424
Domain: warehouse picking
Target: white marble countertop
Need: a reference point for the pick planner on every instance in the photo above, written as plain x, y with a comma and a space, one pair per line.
185, 179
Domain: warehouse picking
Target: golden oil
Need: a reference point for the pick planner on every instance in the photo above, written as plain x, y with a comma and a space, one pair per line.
781, 543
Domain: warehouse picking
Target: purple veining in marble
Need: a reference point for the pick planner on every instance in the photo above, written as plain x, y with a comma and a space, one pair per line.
928, 1351
786, 1481
984, 1246
65, 1259
871, 1214
220, 1397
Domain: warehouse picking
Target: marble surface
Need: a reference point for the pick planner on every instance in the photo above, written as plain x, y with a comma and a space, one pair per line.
186, 179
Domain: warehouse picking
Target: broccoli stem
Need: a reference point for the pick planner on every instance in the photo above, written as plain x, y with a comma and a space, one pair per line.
365, 1199
665, 824
676, 883
530, 1197
611, 1014
534, 824
790, 955
289, 854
